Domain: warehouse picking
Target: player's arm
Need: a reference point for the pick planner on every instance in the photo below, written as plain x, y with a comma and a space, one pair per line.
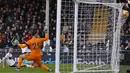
16, 42
22, 45
46, 37
46, 34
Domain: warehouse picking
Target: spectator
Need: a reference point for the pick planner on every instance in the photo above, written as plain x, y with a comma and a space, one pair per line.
47, 48
65, 29
17, 17
2, 40
46, 42
65, 49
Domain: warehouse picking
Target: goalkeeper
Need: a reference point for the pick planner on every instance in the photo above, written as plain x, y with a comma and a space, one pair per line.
35, 54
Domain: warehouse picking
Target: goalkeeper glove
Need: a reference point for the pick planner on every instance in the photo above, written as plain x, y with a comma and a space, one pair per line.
46, 29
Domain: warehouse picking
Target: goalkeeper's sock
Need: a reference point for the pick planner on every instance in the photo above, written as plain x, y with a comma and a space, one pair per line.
19, 62
50, 70
44, 67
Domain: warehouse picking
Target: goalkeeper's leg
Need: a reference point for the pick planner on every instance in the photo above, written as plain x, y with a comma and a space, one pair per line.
20, 59
36, 59
39, 63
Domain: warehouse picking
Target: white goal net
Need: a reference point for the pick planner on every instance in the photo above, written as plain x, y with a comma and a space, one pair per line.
90, 36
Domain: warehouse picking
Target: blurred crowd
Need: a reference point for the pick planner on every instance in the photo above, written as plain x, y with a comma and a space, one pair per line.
18, 19
125, 32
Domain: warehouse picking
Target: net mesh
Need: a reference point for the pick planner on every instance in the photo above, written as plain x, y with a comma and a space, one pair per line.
67, 28
102, 1
92, 31
95, 36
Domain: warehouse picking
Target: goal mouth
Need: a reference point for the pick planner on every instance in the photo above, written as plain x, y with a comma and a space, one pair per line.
85, 68
92, 29
94, 71
98, 1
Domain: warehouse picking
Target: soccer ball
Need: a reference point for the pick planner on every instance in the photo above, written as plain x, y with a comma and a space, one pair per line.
125, 14
128, 71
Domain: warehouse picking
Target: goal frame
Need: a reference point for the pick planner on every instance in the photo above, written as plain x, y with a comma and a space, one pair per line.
116, 33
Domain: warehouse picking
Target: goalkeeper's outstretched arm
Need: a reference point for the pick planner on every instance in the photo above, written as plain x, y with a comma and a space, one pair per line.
16, 42
22, 45
46, 37
46, 34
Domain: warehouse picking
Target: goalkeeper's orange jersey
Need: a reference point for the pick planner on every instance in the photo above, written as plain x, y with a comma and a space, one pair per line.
35, 44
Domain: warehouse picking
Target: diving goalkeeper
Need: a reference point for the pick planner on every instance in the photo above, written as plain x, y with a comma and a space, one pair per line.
34, 45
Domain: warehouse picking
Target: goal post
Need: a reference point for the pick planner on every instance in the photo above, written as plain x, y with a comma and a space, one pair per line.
92, 36
75, 36
58, 26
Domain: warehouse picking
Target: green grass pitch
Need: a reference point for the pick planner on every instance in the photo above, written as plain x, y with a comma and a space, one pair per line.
39, 70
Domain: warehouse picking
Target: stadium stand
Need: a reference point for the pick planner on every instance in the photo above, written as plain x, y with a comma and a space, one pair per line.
19, 17
98, 13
